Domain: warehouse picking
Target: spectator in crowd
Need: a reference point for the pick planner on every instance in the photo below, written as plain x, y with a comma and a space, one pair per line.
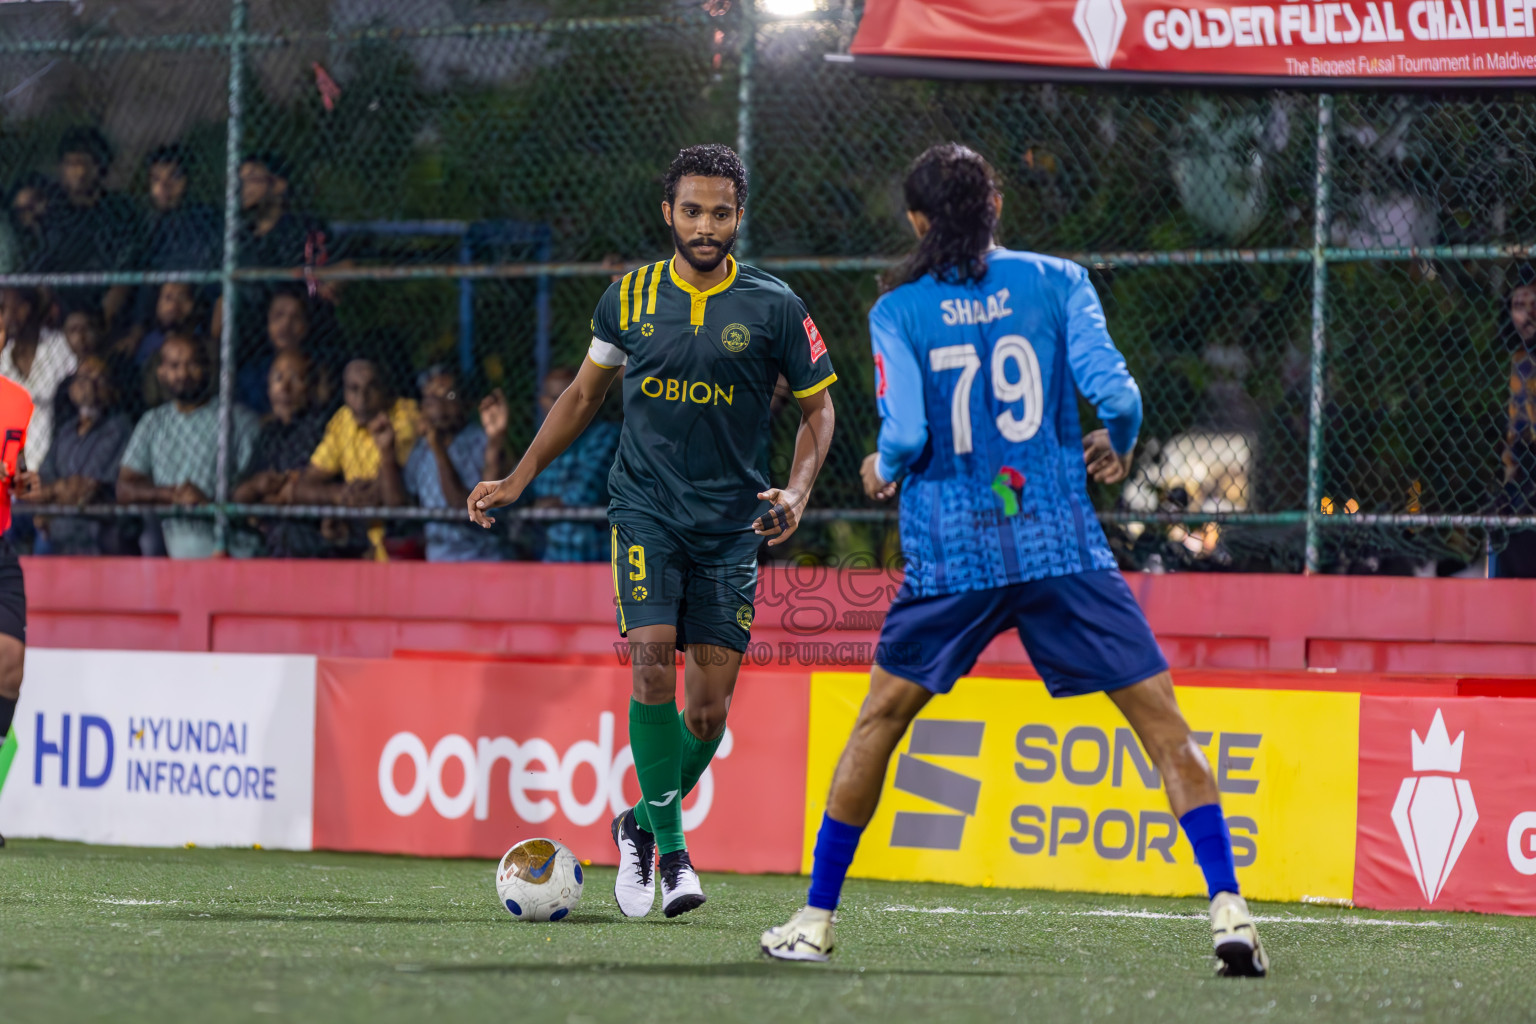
181, 235
1518, 559
358, 461
175, 310
92, 229
282, 450
82, 465
85, 332
27, 206
172, 457
271, 234
36, 357
291, 327
450, 458
578, 478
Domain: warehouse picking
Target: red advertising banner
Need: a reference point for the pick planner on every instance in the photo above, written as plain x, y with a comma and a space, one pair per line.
1447, 812
456, 759
1357, 41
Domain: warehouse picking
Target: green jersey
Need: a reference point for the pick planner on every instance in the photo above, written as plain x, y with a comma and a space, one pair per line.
700, 371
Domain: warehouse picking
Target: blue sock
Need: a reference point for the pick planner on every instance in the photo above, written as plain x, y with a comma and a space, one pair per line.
836, 844
1206, 828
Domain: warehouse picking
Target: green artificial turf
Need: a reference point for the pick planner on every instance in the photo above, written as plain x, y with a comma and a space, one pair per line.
98, 933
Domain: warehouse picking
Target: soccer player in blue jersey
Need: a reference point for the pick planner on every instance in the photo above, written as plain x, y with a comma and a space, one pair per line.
977, 351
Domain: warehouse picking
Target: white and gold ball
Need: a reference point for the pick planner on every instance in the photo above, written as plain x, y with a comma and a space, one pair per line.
539, 880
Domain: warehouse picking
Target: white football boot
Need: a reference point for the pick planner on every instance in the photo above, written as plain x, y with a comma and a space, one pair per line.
807, 936
680, 888
635, 888
1236, 939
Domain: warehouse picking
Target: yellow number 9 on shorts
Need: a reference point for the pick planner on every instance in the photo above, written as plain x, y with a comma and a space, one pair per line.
637, 559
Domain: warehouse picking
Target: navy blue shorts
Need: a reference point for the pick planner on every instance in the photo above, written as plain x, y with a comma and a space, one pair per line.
1085, 633
704, 586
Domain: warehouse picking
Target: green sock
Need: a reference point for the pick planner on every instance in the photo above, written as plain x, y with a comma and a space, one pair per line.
697, 754
658, 751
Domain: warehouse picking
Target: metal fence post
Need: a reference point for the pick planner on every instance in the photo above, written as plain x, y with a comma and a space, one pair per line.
744, 106
225, 464
1319, 329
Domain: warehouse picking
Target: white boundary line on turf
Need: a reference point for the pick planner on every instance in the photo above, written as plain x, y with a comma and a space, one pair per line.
1160, 916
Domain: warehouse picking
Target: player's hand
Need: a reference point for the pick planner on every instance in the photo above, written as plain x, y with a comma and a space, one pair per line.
783, 516
1103, 464
493, 416
874, 487
489, 494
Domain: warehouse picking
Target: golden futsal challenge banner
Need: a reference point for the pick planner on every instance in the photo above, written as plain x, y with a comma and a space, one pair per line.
998, 784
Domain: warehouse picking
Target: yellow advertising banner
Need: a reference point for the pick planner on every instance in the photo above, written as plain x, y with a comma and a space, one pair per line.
998, 784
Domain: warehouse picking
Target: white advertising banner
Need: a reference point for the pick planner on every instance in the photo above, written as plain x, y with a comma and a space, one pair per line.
162, 749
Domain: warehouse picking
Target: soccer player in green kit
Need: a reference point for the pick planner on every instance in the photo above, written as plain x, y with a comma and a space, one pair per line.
701, 341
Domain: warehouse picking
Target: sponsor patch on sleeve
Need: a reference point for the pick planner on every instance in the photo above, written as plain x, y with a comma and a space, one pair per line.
818, 347
879, 375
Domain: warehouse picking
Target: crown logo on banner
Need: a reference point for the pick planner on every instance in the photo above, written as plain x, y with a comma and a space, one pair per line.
1434, 814
1435, 752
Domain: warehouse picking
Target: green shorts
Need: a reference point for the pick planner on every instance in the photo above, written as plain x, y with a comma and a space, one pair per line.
702, 585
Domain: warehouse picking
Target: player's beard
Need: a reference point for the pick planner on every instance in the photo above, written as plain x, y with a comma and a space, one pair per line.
702, 265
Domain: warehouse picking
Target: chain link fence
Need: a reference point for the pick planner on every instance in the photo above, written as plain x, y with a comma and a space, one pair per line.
1313, 290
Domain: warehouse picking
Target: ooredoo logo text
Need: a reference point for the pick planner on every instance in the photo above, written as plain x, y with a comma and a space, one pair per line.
530, 775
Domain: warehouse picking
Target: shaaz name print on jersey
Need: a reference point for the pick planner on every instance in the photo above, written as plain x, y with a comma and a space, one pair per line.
975, 311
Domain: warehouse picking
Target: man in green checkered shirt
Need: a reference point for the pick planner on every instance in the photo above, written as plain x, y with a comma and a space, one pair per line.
172, 457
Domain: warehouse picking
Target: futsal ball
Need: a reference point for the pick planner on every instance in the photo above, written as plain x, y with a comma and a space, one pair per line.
539, 880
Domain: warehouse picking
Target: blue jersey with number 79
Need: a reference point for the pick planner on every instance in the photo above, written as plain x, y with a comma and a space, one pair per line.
977, 386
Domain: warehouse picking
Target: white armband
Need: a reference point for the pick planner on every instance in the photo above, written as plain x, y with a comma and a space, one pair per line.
609, 357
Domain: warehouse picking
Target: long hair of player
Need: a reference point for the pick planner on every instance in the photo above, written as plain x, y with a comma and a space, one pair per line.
953, 186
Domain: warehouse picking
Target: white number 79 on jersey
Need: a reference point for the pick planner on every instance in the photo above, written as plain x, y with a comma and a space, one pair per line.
1027, 388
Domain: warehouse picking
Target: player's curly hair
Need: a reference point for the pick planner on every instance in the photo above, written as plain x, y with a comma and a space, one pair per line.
953, 186
707, 161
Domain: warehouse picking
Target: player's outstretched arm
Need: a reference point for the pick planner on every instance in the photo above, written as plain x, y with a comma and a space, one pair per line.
569, 416
812, 441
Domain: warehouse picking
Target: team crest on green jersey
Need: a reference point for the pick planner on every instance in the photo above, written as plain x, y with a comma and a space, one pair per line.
735, 338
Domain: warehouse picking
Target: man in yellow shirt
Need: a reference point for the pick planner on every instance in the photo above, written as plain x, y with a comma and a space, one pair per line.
349, 467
